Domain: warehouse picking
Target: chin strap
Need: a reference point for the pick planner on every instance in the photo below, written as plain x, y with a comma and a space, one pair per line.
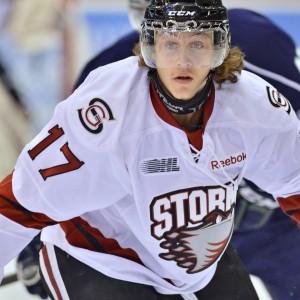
181, 107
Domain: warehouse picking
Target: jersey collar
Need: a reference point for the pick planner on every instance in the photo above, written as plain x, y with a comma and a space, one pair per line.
195, 137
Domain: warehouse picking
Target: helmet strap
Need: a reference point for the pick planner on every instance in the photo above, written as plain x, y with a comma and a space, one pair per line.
181, 107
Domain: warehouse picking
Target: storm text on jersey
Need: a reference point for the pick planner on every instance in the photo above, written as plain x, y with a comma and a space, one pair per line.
195, 224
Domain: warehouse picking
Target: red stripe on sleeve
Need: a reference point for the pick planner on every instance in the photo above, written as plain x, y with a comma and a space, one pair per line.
291, 206
13, 210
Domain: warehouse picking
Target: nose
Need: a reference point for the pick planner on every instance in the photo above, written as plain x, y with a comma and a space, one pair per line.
184, 59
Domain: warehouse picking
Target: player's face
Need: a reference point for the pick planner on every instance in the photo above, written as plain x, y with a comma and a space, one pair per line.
183, 62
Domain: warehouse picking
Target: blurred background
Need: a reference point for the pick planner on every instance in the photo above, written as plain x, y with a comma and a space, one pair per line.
44, 45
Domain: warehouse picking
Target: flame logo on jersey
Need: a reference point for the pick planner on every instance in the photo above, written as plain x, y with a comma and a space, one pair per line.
195, 225
92, 117
278, 100
198, 248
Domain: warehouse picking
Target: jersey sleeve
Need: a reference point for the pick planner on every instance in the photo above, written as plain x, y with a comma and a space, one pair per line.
17, 225
15, 237
275, 164
75, 164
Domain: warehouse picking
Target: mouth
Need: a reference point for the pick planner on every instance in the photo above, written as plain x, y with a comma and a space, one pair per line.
183, 79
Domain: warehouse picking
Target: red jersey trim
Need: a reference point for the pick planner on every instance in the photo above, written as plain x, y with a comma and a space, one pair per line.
291, 206
195, 137
80, 233
13, 210
50, 273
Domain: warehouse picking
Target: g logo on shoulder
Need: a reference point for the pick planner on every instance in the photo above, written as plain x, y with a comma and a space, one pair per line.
278, 100
92, 117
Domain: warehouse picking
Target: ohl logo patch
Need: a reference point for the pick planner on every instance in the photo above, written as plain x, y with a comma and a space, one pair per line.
278, 100
92, 117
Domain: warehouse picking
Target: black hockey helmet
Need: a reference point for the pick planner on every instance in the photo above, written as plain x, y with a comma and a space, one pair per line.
203, 11
175, 16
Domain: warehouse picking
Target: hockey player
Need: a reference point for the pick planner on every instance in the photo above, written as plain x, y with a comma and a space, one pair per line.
141, 192
249, 236
259, 220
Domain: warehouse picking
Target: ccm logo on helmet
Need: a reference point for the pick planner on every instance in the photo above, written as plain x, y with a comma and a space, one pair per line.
233, 159
181, 13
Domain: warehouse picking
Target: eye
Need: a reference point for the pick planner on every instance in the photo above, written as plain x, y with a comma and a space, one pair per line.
171, 45
197, 45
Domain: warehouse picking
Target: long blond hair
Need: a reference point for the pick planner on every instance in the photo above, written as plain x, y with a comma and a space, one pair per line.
233, 64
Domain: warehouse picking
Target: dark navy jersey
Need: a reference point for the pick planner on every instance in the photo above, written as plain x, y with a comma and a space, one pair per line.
269, 50
119, 50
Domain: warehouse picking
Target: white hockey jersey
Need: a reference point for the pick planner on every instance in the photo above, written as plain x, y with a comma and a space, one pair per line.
132, 194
